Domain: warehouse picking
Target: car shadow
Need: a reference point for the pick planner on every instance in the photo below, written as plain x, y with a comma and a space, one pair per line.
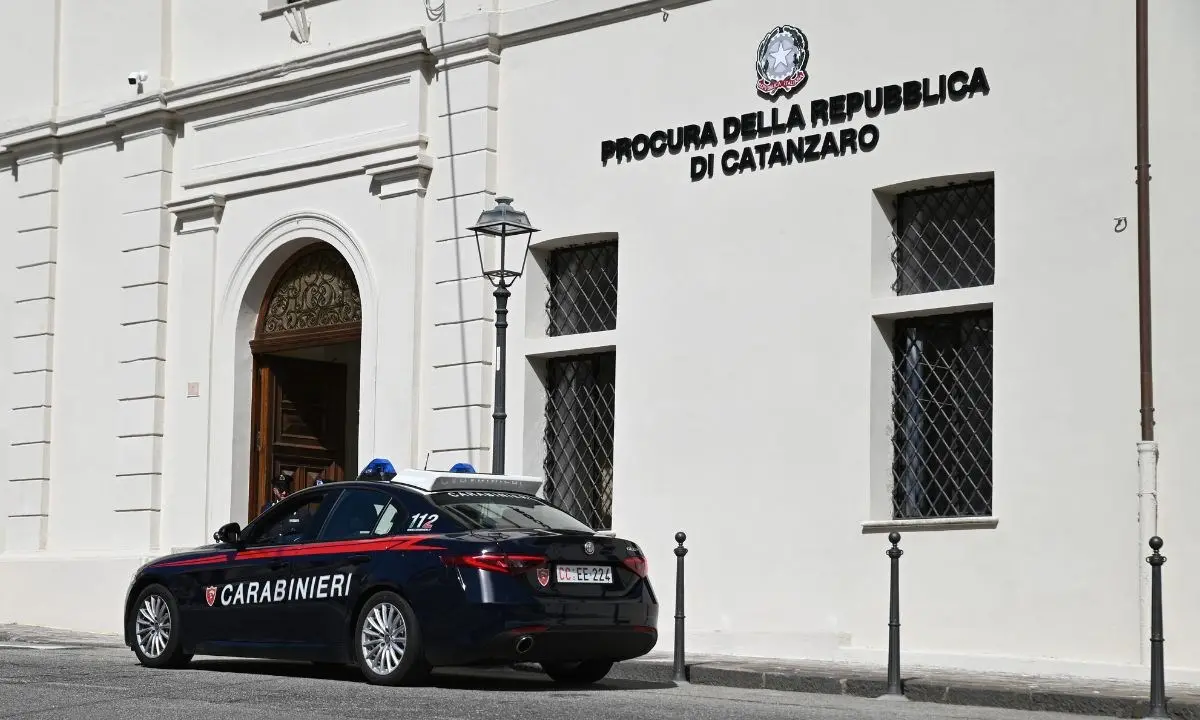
500, 679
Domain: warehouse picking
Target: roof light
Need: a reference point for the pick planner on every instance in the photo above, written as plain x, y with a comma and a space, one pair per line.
431, 481
378, 469
463, 468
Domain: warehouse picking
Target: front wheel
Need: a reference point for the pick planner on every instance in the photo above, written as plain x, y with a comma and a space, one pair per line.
585, 672
157, 640
387, 641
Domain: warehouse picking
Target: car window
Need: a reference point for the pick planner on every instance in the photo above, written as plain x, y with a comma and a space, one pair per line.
293, 521
364, 514
497, 510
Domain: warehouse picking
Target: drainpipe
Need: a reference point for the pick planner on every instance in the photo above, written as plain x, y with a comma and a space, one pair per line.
1148, 447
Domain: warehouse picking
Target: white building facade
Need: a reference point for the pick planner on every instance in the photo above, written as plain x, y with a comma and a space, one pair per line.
806, 273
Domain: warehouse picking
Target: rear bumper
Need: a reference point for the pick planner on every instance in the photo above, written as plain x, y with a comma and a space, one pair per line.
490, 634
571, 644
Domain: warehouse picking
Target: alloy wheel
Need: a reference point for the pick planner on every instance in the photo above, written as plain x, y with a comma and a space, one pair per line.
384, 638
153, 626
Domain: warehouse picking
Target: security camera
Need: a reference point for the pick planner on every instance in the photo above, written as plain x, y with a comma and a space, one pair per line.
139, 77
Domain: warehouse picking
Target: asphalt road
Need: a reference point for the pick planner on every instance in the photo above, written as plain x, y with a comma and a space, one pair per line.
103, 682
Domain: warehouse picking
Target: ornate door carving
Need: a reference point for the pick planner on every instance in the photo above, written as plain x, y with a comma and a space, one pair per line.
313, 301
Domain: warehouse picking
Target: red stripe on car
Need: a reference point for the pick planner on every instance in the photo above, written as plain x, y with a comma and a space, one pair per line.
338, 547
325, 548
203, 560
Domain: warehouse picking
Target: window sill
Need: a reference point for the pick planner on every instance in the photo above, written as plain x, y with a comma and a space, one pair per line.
278, 10
963, 523
548, 347
933, 303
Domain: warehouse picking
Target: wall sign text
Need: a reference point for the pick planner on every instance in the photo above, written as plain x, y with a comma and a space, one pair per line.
802, 148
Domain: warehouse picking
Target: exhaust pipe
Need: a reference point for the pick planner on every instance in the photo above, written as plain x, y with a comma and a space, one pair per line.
524, 644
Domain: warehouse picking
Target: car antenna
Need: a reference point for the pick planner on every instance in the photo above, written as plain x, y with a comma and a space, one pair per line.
427, 454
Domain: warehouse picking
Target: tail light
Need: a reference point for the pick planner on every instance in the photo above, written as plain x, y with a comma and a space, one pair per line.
499, 562
637, 564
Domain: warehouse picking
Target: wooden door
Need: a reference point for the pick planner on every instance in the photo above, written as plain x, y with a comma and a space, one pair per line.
299, 424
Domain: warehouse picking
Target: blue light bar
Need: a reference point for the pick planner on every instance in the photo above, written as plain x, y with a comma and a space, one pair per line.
463, 468
378, 469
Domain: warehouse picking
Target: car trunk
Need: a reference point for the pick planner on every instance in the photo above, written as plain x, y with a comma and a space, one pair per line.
612, 570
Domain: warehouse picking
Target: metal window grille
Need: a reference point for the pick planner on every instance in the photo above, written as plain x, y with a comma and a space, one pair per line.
582, 289
942, 410
580, 405
945, 238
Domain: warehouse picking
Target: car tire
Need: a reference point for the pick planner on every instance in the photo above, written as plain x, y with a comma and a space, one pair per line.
157, 633
383, 619
584, 672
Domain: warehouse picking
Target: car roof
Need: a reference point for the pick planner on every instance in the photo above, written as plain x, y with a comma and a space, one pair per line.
425, 483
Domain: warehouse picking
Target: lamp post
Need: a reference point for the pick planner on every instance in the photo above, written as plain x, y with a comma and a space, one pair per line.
505, 224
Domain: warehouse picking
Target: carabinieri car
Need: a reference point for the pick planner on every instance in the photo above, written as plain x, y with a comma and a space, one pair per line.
398, 573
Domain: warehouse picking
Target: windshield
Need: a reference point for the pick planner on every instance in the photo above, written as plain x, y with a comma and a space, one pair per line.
495, 510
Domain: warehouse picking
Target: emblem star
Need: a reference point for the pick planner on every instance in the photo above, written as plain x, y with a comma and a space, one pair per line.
782, 58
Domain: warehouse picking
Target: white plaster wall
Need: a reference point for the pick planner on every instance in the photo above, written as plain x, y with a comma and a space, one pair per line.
220, 37
744, 334
386, 239
107, 41
296, 126
7, 236
86, 354
28, 44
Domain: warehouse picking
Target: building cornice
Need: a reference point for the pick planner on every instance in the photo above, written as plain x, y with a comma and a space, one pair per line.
175, 105
476, 38
395, 165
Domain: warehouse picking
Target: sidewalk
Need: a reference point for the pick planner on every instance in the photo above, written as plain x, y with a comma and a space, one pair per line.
1017, 692
28, 634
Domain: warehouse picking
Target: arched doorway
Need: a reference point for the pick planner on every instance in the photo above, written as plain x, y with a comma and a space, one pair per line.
306, 348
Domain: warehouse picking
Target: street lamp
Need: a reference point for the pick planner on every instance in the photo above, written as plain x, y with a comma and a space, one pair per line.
507, 224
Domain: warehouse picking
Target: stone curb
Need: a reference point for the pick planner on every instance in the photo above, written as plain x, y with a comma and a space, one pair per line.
1082, 697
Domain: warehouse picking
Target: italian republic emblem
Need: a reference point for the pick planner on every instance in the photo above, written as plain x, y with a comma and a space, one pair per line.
782, 57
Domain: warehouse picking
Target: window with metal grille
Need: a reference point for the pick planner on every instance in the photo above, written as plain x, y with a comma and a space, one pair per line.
582, 289
580, 404
945, 238
942, 415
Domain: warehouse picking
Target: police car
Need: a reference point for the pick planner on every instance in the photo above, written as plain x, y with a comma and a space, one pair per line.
398, 573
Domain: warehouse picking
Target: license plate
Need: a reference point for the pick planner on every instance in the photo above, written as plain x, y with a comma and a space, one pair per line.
596, 574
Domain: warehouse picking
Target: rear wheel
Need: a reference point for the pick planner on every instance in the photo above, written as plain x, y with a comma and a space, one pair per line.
584, 672
387, 642
157, 637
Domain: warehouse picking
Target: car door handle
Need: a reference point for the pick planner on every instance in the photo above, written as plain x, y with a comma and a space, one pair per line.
277, 565
359, 559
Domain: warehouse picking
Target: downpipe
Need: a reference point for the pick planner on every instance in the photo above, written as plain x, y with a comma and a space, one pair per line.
1147, 528
1148, 447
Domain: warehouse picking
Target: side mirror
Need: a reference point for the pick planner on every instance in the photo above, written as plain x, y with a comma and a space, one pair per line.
229, 533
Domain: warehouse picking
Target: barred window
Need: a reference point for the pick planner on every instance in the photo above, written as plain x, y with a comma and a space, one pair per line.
945, 238
580, 404
942, 415
582, 289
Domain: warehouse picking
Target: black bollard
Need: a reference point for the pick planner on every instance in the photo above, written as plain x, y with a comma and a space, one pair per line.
894, 690
680, 674
1158, 690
